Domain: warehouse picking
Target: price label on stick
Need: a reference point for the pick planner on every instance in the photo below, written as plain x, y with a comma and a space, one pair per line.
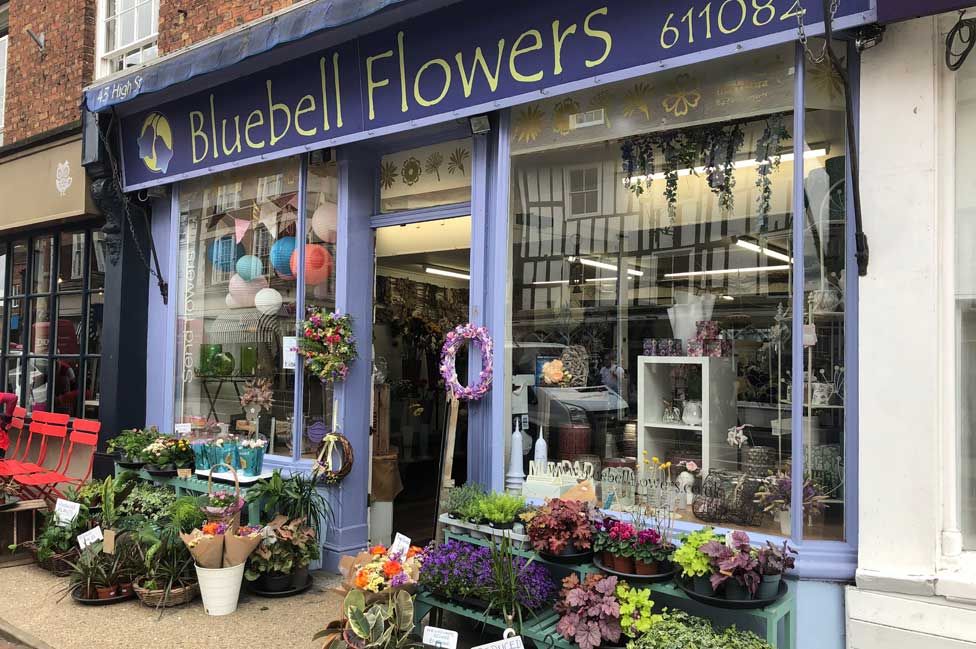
400, 545
511, 642
93, 535
66, 511
440, 638
184, 428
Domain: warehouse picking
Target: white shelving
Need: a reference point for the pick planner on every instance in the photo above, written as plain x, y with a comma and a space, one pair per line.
655, 385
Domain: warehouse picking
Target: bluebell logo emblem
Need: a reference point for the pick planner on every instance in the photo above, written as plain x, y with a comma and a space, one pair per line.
156, 143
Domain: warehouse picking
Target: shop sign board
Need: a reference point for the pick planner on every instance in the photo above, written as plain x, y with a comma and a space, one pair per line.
460, 60
895, 10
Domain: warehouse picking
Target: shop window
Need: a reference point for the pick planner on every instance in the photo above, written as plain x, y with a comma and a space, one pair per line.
651, 294
965, 296
429, 176
236, 299
127, 34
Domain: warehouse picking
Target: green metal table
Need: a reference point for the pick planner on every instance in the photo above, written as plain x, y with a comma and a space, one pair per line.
198, 486
775, 623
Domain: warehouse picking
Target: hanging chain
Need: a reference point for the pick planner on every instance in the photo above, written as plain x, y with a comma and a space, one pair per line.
817, 59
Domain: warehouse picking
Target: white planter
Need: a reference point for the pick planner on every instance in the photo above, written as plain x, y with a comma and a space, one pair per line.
220, 588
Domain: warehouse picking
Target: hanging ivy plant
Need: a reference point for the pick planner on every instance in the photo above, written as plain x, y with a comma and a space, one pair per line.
638, 162
672, 151
734, 136
768, 159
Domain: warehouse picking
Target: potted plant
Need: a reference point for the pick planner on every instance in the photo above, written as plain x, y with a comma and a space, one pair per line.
294, 497
130, 445
501, 509
455, 570
773, 562
518, 585
381, 624
277, 560
562, 527
459, 499
695, 564
589, 611
735, 565
636, 610
675, 628
167, 454
650, 553
775, 496
87, 574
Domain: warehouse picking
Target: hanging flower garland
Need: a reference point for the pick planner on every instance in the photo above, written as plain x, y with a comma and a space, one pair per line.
327, 344
453, 342
324, 468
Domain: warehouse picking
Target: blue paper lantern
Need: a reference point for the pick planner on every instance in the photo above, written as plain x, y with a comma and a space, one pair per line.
249, 267
280, 256
224, 253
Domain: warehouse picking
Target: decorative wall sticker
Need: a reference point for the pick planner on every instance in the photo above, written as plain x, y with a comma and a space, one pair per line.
637, 101
562, 113
411, 170
459, 158
388, 174
529, 123
433, 164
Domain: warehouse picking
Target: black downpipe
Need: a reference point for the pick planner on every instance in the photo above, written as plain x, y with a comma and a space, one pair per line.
862, 251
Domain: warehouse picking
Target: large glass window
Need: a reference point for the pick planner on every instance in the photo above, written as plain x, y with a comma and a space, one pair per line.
237, 297
651, 299
52, 320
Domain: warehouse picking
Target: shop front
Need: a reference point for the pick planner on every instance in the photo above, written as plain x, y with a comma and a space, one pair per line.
647, 207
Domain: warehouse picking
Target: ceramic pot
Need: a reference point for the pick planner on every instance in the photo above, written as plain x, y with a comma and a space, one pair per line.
125, 589
276, 582
703, 585
736, 591
647, 567
623, 564
299, 577
769, 586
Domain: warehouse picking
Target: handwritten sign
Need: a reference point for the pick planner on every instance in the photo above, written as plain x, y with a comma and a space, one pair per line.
66, 511
440, 638
184, 428
93, 535
400, 544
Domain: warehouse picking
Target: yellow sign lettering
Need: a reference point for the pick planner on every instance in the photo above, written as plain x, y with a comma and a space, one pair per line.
236, 147
599, 34
557, 44
272, 109
253, 123
299, 111
467, 82
370, 83
196, 131
518, 50
447, 82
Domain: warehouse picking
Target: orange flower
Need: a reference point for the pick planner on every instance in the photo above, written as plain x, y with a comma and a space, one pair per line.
377, 550
392, 569
414, 551
210, 528
361, 580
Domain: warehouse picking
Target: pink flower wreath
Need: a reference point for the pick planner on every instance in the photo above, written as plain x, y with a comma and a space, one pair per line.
454, 340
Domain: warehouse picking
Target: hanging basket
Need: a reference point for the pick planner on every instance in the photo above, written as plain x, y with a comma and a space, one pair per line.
229, 515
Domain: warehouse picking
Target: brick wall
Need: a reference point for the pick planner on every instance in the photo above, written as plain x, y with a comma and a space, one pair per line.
185, 22
44, 89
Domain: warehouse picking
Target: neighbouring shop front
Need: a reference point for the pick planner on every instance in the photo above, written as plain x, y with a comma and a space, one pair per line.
647, 207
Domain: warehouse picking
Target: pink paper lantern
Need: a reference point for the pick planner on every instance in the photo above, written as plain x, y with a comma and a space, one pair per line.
243, 292
318, 263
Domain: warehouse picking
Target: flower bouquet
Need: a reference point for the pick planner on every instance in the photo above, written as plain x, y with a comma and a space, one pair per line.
221, 505
250, 455
380, 572
219, 554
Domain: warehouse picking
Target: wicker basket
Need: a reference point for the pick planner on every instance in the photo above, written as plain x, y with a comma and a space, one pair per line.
60, 564
157, 598
230, 515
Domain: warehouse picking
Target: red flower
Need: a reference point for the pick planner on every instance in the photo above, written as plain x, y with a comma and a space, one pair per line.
392, 569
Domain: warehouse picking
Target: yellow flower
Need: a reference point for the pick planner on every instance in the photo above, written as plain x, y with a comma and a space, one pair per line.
656, 460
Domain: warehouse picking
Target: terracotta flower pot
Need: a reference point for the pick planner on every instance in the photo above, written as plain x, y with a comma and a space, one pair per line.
623, 564
108, 592
646, 567
125, 589
607, 559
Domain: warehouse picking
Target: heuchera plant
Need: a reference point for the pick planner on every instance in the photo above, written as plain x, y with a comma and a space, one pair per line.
590, 612
733, 559
774, 560
693, 562
636, 606
560, 524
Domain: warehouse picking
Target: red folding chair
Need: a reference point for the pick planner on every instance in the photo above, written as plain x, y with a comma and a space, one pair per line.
45, 451
78, 462
15, 433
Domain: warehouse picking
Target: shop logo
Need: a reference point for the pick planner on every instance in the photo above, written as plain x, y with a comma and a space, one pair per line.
156, 143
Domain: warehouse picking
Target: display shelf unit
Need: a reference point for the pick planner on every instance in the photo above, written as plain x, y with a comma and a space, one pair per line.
775, 623
655, 385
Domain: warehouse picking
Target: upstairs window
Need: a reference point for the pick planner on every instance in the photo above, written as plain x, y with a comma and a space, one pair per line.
127, 33
4, 28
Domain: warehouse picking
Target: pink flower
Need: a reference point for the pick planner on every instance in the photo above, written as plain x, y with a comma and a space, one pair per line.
691, 466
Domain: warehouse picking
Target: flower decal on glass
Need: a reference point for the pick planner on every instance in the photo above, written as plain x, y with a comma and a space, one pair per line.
528, 124
681, 102
411, 170
602, 99
388, 174
433, 164
637, 100
561, 114
825, 79
459, 158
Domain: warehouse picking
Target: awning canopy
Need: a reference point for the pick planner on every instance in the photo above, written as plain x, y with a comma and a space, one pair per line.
895, 10
233, 47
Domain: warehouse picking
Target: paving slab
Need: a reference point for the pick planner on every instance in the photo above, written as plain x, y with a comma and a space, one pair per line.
30, 615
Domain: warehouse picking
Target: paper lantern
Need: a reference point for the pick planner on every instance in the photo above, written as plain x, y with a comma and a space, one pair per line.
243, 292
224, 253
318, 263
280, 256
324, 222
267, 301
231, 302
250, 267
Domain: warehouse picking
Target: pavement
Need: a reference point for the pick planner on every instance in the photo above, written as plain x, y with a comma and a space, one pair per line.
31, 617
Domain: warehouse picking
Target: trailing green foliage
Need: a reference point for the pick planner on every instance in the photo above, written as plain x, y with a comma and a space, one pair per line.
678, 630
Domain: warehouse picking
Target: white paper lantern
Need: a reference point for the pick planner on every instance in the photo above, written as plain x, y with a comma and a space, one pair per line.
267, 301
231, 302
324, 222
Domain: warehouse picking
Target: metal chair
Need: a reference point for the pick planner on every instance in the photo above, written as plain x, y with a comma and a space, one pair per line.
78, 463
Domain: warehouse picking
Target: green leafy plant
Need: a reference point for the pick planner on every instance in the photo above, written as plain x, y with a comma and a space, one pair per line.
131, 443
636, 610
384, 624
294, 546
694, 562
166, 561
184, 514
295, 497
678, 630
465, 500
500, 508
148, 500
88, 572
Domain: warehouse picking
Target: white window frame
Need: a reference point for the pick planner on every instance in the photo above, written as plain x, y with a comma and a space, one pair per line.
102, 57
568, 193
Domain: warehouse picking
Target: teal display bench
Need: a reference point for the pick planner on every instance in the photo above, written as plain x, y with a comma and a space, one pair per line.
198, 486
775, 623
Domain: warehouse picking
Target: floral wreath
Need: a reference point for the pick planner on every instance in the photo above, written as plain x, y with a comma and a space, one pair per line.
327, 344
453, 342
323, 464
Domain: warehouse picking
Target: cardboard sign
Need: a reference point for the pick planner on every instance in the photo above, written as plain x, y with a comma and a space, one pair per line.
440, 638
289, 353
66, 511
184, 473
184, 428
108, 542
514, 642
400, 544
93, 535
